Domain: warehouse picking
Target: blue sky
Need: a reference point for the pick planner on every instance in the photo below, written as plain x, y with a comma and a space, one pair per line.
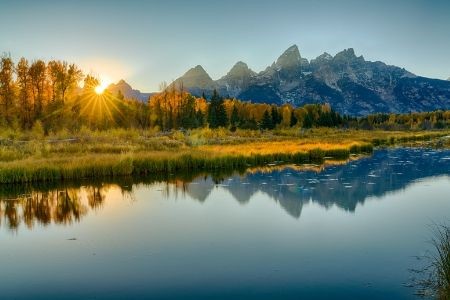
147, 42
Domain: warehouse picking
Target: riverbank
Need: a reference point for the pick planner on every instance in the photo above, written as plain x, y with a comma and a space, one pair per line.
130, 152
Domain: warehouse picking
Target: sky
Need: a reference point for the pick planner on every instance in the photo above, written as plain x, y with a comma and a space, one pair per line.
148, 42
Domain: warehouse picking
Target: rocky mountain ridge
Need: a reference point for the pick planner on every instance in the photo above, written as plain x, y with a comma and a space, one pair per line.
348, 82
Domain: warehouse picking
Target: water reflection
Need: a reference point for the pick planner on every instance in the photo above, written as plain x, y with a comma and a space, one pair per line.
60, 206
345, 186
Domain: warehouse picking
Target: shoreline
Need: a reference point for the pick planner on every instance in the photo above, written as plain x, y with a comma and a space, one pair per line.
71, 161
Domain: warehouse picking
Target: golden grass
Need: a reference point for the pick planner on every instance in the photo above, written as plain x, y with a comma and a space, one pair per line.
96, 155
285, 147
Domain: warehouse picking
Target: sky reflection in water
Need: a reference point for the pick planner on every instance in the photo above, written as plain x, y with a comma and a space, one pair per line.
349, 231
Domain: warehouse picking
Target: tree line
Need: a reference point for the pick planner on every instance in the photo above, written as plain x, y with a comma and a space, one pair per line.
56, 95
177, 109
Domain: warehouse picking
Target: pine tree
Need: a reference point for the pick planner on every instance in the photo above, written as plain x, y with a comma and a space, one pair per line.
234, 119
217, 115
276, 117
222, 118
266, 122
188, 114
212, 110
200, 118
308, 121
294, 120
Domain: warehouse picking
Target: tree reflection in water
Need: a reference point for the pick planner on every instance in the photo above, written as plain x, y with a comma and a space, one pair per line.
341, 185
60, 206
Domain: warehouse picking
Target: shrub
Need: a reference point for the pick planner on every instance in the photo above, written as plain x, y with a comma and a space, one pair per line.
38, 130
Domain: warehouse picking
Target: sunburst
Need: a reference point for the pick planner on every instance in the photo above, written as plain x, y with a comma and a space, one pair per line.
100, 104
100, 89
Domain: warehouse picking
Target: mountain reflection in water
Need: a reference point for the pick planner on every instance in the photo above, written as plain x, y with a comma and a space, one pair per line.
345, 186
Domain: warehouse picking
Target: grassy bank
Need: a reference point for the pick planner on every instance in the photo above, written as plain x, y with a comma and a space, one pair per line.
144, 163
119, 153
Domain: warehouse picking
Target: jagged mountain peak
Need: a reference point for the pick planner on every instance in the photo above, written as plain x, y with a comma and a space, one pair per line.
236, 80
198, 70
290, 58
196, 78
240, 65
292, 49
127, 91
240, 69
347, 55
325, 56
122, 83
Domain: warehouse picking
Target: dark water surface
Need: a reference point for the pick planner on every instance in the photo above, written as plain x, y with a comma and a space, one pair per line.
346, 231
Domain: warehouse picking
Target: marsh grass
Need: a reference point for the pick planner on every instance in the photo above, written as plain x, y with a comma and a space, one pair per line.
441, 262
434, 276
93, 154
95, 165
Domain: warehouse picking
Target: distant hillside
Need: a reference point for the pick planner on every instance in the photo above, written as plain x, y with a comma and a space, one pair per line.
348, 82
128, 91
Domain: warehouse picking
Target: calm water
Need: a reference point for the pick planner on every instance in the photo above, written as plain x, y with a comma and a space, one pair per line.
349, 231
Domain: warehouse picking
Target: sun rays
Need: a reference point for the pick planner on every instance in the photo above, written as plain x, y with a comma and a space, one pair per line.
101, 88
98, 103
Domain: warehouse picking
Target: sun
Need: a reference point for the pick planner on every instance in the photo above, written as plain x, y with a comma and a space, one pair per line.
100, 89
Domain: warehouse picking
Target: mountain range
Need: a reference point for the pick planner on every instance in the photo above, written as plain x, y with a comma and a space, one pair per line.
349, 83
127, 91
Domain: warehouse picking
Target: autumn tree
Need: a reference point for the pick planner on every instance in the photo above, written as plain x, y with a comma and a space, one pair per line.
38, 80
53, 72
7, 88
24, 85
174, 108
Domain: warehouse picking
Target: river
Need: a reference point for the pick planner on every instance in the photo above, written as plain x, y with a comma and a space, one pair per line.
342, 231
